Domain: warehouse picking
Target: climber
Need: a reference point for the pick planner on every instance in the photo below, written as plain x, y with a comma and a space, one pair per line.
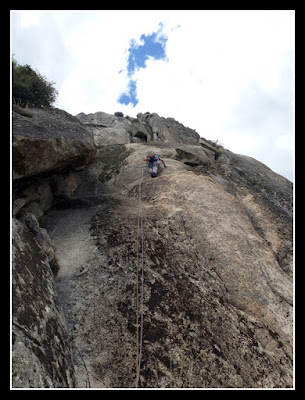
152, 162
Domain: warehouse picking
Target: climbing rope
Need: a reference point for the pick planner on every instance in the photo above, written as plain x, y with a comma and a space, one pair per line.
139, 346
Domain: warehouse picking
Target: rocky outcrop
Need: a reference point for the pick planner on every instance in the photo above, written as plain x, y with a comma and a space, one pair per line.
49, 148
49, 141
218, 295
107, 129
218, 272
41, 348
146, 128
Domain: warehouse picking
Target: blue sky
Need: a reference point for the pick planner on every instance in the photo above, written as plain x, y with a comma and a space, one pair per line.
228, 74
152, 46
131, 95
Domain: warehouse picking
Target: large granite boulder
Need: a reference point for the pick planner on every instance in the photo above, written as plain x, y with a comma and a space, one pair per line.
218, 273
107, 129
41, 348
110, 129
218, 263
50, 140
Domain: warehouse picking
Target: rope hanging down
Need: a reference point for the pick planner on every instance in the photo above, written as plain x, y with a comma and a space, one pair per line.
140, 220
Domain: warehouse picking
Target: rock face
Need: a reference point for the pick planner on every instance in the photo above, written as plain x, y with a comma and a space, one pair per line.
48, 148
41, 349
217, 270
49, 141
218, 273
109, 129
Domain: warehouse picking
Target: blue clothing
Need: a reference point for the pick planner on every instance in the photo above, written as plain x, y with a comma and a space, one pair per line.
153, 166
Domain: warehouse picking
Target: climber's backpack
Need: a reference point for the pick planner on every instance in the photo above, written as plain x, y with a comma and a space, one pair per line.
151, 159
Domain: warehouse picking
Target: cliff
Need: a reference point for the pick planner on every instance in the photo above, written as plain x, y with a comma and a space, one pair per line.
218, 273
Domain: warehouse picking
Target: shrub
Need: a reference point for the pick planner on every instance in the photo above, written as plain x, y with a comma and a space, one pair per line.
119, 114
31, 88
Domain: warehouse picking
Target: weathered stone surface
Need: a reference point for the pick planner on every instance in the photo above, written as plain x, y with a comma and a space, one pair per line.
141, 133
109, 129
41, 349
173, 131
218, 262
41, 235
33, 196
218, 289
39, 193
49, 141
17, 205
99, 118
109, 136
195, 155
64, 185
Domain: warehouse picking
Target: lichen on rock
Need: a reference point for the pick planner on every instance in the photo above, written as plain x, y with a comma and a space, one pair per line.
218, 265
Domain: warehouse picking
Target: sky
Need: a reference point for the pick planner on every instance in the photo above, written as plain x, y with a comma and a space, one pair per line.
228, 74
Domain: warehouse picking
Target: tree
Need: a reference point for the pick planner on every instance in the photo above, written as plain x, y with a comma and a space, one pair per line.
31, 88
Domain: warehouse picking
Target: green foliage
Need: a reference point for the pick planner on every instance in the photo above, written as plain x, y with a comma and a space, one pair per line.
31, 88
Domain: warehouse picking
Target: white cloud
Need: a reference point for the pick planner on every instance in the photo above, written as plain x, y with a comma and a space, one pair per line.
231, 79
285, 142
228, 74
29, 18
